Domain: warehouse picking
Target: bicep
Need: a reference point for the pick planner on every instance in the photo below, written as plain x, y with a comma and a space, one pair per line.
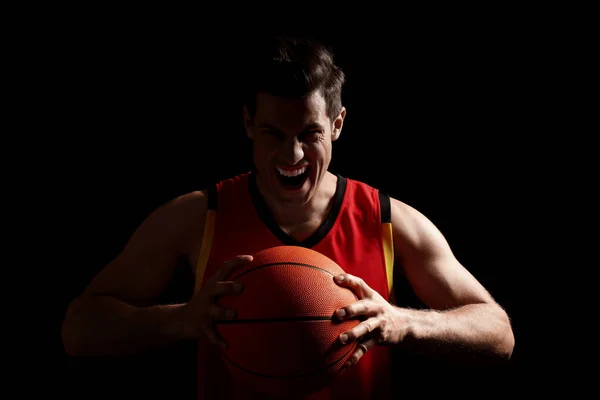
428, 263
141, 271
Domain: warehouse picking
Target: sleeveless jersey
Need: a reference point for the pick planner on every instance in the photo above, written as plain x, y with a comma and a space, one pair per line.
356, 234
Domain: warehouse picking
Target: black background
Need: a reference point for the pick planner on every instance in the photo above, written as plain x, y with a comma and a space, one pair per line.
445, 117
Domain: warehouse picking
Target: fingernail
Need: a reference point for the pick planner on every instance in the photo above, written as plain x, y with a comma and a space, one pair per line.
340, 278
343, 338
238, 287
230, 314
341, 313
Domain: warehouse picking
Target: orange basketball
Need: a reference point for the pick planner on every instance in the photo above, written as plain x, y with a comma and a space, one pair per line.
285, 336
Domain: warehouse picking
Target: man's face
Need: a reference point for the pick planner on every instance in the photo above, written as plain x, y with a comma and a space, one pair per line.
292, 145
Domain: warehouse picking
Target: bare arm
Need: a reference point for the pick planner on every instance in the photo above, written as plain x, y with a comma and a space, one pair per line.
115, 314
464, 322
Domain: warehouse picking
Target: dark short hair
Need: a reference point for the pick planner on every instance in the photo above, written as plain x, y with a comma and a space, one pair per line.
293, 67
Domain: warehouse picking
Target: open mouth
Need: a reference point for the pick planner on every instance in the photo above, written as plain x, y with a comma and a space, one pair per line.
292, 179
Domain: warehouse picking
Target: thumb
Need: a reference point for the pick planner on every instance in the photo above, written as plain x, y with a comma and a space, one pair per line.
355, 283
230, 266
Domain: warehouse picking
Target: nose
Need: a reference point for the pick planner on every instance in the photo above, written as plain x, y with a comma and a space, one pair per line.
292, 150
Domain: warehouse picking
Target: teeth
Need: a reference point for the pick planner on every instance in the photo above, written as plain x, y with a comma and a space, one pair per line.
291, 173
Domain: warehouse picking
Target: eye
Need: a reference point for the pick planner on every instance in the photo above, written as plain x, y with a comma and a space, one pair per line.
311, 136
274, 134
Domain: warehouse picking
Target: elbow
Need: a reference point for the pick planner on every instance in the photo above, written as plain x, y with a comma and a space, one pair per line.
508, 343
71, 348
505, 342
72, 337
504, 347
71, 345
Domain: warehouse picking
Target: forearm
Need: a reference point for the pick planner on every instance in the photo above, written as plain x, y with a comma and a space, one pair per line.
472, 333
103, 325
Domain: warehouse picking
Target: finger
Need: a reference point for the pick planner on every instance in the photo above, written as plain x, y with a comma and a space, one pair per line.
361, 350
219, 312
355, 283
359, 330
225, 288
213, 336
362, 307
231, 265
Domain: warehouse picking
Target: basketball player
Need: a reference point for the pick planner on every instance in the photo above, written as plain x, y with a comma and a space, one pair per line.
293, 114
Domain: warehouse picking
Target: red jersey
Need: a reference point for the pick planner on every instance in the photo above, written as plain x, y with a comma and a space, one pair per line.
356, 234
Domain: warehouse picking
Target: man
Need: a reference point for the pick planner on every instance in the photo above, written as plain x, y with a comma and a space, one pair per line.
293, 114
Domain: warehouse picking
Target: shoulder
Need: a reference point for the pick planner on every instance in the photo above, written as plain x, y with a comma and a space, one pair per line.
177, 222
413, 231
237, 181
185, 206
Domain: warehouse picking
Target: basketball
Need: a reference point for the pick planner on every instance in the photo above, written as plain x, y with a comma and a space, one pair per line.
284, 338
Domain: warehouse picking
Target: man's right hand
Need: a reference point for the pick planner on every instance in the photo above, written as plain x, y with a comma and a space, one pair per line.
203, 308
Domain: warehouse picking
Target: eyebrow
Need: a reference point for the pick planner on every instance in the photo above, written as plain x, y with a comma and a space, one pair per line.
314, 125
268, 126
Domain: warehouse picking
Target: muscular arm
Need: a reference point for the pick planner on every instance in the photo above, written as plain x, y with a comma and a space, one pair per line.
115, 314
464, 322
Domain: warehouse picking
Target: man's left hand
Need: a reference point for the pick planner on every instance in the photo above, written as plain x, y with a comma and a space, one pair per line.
382, 321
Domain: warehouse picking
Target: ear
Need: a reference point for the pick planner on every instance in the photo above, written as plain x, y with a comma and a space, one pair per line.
337, 125
248, 124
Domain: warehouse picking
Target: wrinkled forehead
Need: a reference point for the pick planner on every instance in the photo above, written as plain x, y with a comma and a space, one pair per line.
291, 113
